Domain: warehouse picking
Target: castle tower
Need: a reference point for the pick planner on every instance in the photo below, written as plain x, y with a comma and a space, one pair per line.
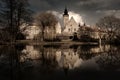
65, 17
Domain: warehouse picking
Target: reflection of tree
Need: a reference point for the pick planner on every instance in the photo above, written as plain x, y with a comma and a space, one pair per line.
66, 70
10, 61
87, 56
110, 60
74, 47
49, 59
85, 52
86, 47
39, 56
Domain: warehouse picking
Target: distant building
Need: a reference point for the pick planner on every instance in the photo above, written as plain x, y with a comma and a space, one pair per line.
88, 31
30, 31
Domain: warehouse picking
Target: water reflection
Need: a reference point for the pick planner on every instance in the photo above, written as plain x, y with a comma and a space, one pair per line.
25, 61
110, 60
29, 53
66, 57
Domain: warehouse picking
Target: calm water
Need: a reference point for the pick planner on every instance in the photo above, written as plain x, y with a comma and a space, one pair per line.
59, 62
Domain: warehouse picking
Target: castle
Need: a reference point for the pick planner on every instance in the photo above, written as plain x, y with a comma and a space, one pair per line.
70, 26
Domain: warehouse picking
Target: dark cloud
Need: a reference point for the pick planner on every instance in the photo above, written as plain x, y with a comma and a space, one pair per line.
91, 10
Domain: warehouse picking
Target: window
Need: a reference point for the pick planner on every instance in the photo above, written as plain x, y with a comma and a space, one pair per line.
74, 29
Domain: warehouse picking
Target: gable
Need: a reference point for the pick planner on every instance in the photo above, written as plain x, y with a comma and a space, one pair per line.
72, 22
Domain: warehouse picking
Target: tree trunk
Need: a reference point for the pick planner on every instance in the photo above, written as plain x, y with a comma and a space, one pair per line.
11, 19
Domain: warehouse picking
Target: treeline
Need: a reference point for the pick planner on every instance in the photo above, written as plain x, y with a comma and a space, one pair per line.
13, 13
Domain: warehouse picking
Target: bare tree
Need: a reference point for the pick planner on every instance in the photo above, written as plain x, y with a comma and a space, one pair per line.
110, 24
44, 20
13, 14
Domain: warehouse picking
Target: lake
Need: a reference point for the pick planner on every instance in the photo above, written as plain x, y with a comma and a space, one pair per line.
59, 62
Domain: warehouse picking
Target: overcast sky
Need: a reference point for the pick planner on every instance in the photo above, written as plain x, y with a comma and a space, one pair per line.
89, 10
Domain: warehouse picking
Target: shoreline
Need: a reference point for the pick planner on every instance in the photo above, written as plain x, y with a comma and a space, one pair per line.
33, 42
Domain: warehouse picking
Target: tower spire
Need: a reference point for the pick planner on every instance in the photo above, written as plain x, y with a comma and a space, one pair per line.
65, 16
65, 11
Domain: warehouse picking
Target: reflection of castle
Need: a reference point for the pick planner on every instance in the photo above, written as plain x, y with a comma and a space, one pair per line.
67, 58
